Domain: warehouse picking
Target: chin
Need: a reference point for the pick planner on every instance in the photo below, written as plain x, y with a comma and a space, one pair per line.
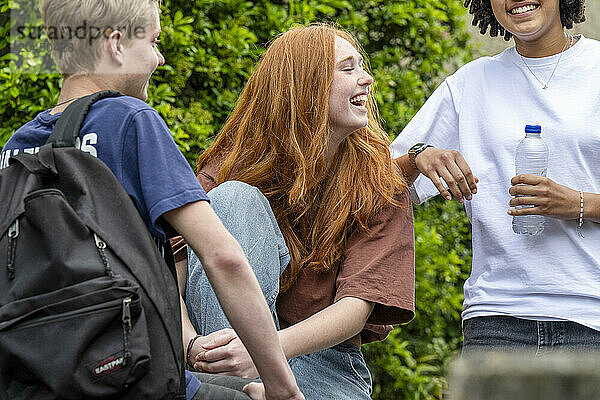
362, 125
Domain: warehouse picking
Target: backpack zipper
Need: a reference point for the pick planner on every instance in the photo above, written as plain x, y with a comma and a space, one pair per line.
101, 245
126, 318
13, 233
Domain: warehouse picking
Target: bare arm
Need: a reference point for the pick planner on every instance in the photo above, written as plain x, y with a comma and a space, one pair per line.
330, 326
188, 331
339, 322
232, 279
409, 172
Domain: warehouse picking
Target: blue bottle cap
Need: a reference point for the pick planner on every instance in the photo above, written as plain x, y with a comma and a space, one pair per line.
533, 129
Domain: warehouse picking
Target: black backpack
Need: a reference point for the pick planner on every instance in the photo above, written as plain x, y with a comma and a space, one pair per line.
88, 307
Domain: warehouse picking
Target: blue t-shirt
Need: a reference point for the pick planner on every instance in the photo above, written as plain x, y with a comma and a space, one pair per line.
134, 142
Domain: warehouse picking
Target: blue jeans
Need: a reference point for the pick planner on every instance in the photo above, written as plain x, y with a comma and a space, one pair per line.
339, 373
247, 215
517, 334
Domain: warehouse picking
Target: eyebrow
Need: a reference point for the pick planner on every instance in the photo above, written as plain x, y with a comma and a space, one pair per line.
360, 59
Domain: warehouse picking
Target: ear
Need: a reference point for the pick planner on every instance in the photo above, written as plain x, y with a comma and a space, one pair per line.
114, 47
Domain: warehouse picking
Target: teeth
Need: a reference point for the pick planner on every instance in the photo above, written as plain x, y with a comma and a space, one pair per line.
359, 100
524, 9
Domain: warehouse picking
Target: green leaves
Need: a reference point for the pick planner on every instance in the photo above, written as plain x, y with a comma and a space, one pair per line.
412, 362
211, 48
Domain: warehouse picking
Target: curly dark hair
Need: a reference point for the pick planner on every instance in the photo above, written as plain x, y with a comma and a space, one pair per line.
571, 11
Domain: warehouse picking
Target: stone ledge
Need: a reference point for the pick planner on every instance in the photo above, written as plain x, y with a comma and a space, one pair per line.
522, 376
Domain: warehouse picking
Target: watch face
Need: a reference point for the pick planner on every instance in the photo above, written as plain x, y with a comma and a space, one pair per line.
416, 147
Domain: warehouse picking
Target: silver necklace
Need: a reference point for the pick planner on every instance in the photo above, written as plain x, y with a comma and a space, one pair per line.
569, 41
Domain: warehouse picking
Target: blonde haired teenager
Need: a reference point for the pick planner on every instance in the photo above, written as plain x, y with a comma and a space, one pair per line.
302, 164
118, 51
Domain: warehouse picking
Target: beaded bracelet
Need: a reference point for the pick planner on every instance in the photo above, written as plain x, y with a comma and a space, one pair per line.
580, 224
189, 348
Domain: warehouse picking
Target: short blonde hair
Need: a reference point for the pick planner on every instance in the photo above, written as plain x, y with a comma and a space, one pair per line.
76, 28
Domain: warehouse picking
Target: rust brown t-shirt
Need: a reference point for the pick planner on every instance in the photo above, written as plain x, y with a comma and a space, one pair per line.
378, 267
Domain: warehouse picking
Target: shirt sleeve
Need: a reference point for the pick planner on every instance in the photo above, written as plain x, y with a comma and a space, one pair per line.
158, 173
379, 265
436, 123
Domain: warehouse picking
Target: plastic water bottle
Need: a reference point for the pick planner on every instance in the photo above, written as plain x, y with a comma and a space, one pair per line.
531, 158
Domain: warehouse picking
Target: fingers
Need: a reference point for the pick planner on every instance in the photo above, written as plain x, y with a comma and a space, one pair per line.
471, 180
535, 210
226, 367
216, 354
256, 390
461, 186
526, 179
453, 186
437, 182
449, 166
525, 201
219, 338
526, 190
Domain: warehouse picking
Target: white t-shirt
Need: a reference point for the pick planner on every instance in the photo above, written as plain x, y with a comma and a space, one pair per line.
481, 111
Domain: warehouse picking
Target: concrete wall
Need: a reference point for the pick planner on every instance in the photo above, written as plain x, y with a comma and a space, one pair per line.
520, 376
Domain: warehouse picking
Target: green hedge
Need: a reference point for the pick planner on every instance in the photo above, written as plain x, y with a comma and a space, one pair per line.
210, 49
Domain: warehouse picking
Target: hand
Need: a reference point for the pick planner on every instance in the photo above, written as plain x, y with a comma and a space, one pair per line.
256, 391
225, 354
198, 350
449, 165
546, 196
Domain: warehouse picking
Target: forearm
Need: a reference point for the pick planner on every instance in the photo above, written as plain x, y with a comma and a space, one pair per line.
410, 173
333, 325
188, 332
187, 329
237, 290
250, 318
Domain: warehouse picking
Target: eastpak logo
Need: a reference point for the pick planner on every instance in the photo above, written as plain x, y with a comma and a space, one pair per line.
109, 365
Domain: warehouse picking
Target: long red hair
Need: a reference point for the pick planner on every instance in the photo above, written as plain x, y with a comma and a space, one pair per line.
276, 139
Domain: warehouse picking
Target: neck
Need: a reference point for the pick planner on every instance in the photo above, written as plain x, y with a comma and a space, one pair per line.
332, 148
77, 86
547, 45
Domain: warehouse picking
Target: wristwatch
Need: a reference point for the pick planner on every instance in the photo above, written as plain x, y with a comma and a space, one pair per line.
414, 151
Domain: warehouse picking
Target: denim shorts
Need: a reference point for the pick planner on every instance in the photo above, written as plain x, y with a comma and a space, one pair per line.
339, 373
507, 333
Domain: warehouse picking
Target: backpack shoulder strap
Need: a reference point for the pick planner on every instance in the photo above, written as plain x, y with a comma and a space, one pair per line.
70, 122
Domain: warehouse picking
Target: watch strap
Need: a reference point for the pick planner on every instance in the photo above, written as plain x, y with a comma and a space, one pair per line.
414, 151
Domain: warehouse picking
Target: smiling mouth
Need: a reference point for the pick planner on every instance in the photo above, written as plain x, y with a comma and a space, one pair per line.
359, 100
523, 9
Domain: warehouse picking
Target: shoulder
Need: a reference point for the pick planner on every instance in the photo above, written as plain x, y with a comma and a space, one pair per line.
401, 210
591, 42
117, 115
391, 217
591, 47
482, 67
124, 105
33, 133
209, 174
